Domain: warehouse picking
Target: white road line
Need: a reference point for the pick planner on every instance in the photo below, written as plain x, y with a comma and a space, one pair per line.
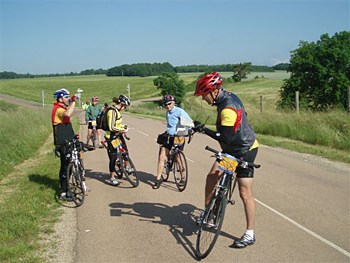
189, 159
143, 133
346, 253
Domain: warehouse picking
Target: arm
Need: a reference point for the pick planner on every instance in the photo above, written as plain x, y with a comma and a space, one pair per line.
228, 118
70, 110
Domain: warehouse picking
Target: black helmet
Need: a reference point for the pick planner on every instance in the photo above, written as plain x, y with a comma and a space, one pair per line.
124, 99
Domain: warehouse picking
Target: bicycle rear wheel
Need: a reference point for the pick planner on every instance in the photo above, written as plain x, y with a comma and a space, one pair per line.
180, 171
130, 175
75, 184
210, 226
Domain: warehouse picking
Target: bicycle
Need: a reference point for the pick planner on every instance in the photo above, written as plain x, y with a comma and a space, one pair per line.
76, 187
211, 219
176, 162
124, 165
94, 133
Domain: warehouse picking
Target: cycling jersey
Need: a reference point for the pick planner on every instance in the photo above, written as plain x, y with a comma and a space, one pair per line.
92, 112
62, 126
173, 119
234, 133
115, 122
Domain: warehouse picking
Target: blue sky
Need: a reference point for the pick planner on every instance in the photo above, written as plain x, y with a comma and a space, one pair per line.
59, 36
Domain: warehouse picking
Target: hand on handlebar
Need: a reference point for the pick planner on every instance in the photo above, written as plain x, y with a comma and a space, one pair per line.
198, 126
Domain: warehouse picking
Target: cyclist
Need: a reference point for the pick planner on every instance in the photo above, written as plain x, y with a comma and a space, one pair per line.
86, 105
63, 131
90, 115
116, 129
235, 137
173, 116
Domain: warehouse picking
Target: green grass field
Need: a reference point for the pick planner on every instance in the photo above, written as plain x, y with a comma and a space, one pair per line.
330, 129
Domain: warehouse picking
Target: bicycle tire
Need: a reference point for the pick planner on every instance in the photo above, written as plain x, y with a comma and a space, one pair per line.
131, 177
180, 164
208, 235
75, 184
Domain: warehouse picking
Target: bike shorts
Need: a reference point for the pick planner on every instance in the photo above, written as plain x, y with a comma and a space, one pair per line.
247, 172
168, 143
90, 126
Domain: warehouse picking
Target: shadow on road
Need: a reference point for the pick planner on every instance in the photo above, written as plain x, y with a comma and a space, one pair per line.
179, 218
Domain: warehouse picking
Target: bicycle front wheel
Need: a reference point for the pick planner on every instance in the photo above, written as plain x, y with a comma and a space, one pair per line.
75, 184
210, 225
180, 171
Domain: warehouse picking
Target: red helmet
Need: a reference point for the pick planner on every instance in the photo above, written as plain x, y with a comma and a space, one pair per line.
94, 99
208, 83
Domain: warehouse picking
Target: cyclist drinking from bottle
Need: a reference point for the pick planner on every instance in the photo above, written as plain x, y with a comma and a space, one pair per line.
236, 138
63, 131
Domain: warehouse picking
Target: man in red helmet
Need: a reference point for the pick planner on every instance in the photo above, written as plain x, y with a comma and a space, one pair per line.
236, 138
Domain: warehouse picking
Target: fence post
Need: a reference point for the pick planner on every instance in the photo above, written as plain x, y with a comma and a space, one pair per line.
297, 101
261, 104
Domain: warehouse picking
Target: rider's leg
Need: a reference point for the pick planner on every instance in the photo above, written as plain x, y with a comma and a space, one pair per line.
212, 179
89, 135
245, 186
163, 152
98, 134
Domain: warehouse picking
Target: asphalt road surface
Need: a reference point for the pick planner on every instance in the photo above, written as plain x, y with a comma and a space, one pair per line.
302, 208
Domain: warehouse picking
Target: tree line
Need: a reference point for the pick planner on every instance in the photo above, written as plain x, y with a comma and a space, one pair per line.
148, 69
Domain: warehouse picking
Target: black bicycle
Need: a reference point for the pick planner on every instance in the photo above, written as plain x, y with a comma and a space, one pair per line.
176, 162
76, 187
211, 219
124, 165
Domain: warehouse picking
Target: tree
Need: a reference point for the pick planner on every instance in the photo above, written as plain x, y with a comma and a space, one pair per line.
241, 71
170, 83
320, 72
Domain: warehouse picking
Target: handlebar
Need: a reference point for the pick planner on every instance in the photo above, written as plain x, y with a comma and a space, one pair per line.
240, 161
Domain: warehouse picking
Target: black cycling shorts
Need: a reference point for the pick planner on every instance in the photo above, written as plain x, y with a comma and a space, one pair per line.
247, 172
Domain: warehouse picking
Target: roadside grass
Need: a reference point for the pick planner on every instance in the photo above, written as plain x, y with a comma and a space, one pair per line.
22, 132
28, 182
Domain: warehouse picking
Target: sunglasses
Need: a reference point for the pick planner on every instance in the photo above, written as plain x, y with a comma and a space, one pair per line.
167, 104
66, 97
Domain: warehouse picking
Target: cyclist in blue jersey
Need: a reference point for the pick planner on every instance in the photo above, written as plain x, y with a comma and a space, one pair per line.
174, 116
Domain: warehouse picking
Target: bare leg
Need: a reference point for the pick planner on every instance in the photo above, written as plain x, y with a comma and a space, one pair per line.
163, 152
246, 193
212, 179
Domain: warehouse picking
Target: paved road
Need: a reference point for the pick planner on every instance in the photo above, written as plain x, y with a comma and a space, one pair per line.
302, 208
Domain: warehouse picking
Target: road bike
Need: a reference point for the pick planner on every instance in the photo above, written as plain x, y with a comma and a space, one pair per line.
211, 219
124, 166
176, 162
76, 187
94, 133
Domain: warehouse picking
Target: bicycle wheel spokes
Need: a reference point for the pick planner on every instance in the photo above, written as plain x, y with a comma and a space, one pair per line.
130, 173
180, 171
209, 228
75, 184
